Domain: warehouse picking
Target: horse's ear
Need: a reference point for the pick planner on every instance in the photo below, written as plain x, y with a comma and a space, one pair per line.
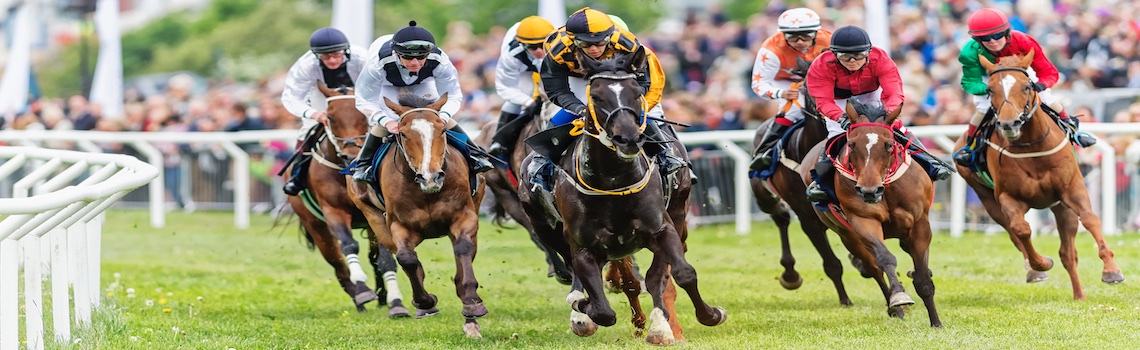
1026, 60
589, 64
438, 103
639, 59
851, 113
396, 107
325, 90
893, 115
989, 66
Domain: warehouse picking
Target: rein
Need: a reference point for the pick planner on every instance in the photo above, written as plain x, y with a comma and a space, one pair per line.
586, 189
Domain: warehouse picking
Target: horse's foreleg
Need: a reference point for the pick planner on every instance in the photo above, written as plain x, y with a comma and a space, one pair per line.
405, 242
324, 241
990, 203
464, 244
790, 279
1078, 199
1067, 222
587, 268
1019, 230
384, 265
338, 222
667, 246
656, 281
632, 288
917, 244
817, 234
580, 323
870, 235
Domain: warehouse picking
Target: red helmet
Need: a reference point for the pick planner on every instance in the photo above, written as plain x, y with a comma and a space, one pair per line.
987, 22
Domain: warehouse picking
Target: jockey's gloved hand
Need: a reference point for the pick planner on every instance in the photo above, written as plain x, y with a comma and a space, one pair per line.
584, 113
1038, 86
845, 122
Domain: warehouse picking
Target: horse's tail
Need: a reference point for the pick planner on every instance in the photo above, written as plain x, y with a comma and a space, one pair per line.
283, 217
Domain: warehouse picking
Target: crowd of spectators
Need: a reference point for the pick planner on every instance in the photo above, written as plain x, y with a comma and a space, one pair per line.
708, 60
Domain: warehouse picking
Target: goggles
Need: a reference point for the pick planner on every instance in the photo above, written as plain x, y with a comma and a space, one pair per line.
585, 44
851, 57
795, 36
413, 55
533, 47
991, 37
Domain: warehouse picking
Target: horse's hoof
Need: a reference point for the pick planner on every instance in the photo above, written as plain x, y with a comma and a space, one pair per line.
474, 310
1112, 277
1048, 265
365, 297
1033, 276
910, 273
896, 312
900, 299
361, 309
660, 332
664, 338
398, 310
719, 315
430, 304
791, 285
471, 329
421, 313
582, 325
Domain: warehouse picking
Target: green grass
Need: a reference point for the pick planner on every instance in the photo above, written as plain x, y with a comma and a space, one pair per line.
262, 289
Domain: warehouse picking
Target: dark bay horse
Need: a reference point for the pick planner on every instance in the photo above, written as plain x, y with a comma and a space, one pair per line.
784, 189
427, 194
1032, 165
611, 201
504, 184
881, 193
329, 227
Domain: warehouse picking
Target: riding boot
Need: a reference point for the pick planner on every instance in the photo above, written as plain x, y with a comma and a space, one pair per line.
657, 145
363, 171
541, 172
823, 170
936, 168
1076, 136
965, 156
764, 155
299, 176
497, 148
476, 157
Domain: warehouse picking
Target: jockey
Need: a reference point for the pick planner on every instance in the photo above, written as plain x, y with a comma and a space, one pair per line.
328, 61
595, 34
408, 64
516, 75
800, 36
994, 39
853, 69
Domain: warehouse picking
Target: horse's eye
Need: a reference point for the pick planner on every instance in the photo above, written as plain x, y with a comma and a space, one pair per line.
1026, 89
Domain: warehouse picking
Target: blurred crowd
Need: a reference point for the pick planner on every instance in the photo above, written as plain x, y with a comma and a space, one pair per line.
708, 60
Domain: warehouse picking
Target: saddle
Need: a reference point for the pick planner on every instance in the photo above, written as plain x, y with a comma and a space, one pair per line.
778, 150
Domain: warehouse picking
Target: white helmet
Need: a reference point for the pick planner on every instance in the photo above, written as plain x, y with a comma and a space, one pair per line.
798, 20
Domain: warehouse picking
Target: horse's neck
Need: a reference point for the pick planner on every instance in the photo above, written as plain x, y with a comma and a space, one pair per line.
600, 162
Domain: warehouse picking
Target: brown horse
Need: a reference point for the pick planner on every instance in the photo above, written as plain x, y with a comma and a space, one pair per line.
1033, 165
611, 201
504, 184
881, 193
427, 194
784, 189
335, 215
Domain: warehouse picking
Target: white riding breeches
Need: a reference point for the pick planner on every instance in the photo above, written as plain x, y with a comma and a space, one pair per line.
833, 127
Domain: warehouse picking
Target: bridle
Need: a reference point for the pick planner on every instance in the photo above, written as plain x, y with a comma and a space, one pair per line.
338, 143
1026, 111
600, 132
404, 150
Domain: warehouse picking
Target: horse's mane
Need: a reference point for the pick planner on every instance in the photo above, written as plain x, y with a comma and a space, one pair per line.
1009, 61
873, 110
414, 101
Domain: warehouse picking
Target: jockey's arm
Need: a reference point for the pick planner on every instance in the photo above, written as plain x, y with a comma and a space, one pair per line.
507, 73
972, 71
298, 83
764, 75
655, 91
447, 81
1047, 73
368, 95
555, 79
822, 88
891, 83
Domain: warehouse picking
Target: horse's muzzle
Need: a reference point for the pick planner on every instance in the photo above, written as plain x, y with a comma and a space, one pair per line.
430, 184
871, 194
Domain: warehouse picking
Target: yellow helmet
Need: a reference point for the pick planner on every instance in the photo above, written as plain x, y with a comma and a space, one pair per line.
589, 25
533, 30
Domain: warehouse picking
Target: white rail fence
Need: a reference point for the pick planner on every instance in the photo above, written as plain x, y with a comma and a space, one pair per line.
55, 216
736, 143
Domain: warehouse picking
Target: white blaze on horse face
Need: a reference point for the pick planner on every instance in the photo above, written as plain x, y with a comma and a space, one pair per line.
426, 131
872, 139
1007, 84
616, 88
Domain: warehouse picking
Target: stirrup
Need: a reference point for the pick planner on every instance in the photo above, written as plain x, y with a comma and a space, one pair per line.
670, 163
815, 192
496, 149
362, 174
964, 156
1084, 139
762, 160
292, 188
481, 165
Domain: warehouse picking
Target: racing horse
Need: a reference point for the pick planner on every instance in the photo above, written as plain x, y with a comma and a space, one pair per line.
327, 213
783, 192
610, 201
1031, 164
880, 193
424, 192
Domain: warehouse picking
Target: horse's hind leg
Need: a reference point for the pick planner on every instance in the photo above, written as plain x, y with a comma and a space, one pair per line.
668, 247
318, 232
817, 233
632, 288
384, 266
351, 249
1078, 199
917, 244
990, 203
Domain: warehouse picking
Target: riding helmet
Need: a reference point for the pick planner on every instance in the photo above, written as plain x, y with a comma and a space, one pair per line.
850, 39
413, 39
589, 25
326, 40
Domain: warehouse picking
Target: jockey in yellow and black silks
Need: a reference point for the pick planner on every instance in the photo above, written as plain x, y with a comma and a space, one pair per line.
596, 35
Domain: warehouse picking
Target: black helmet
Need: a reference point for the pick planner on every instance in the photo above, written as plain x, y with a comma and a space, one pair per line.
850, 39
327, 40
413, 39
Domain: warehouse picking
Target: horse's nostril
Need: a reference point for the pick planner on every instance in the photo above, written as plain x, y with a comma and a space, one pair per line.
439, 176
620, 140
419, 179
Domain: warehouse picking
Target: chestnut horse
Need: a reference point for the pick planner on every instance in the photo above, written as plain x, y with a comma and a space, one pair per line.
334, 215
784, 189
504, 184
426, 194
881, 193
611, 201
1032, 165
